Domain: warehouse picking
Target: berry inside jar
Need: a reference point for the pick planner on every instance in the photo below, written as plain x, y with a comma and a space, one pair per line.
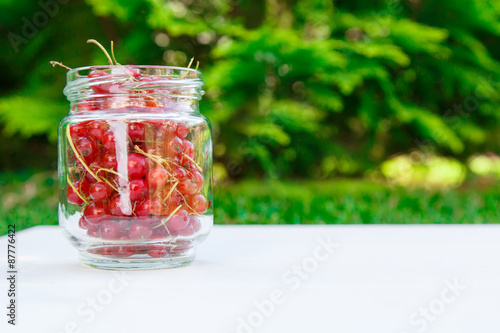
137, 162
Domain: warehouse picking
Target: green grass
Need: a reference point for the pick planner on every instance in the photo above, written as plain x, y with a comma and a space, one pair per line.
27, 200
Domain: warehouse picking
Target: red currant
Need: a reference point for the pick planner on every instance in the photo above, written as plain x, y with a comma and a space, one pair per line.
100, 191
86, 148
77, 131
182, 130
137, 166
180, 173
188, 148
95, 213
179, 221
102, 88
93, 231
108, 141
174, 146
137, 131
138, 189
83, 223
94, 167
140, 231
192, 185
157, 177
109, 230
115, 207
96, 129
108, 161
198, 203
82, 187
158, 250
149, 207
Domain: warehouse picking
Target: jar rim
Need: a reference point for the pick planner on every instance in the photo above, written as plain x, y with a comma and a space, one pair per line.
187, 80
185, 69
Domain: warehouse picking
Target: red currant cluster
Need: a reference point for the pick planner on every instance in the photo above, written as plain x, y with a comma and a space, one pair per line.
148, 192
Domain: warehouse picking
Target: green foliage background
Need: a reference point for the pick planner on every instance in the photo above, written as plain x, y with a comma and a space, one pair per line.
309, 88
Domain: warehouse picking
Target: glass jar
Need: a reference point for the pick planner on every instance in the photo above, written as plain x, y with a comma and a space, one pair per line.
135, 166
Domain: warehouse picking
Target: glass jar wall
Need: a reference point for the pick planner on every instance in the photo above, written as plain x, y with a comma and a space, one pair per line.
135, 166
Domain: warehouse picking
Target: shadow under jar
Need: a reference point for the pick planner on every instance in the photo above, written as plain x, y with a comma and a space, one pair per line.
135, 166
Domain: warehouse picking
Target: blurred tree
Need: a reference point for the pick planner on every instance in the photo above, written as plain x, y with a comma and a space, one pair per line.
293, 88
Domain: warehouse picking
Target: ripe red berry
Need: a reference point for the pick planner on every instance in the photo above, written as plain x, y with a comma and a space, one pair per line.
93, 231
174, 146
77, 131
99, 75
188, 148
96, 129
82, 223
191, 185
149, 207
173, 201
137, 166
108, 161
179, 221
86, 148
108, 141
109, 230
115, 207
140, 231
94, 167
158, 250
95, 213
198, 203
100, 191
180, 173
136, 131
182, 130
157, 177
82, 187
138, 189
195, 223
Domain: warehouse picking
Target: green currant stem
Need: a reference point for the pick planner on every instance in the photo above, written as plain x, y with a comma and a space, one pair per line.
168, 218
77, 154
76, 191
171, 190
113, 54
107, 181
196, 165
189, 66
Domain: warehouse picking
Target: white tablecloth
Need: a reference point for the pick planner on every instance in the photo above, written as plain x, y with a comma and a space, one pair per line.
246, 279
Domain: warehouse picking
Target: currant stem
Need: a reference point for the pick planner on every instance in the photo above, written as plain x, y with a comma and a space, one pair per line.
77, 154
189, 66
113, 53
76, 191
107, 181
93, 41
57, 63
168, 218
184, 198
196, 165
171, 190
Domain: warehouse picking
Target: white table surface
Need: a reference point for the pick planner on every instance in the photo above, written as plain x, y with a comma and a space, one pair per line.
377, 279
